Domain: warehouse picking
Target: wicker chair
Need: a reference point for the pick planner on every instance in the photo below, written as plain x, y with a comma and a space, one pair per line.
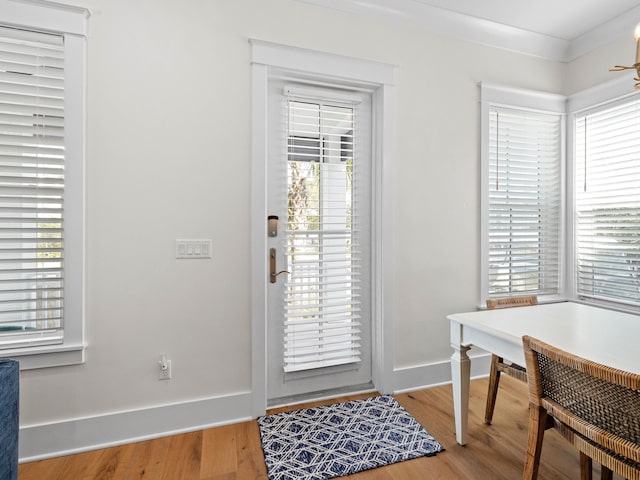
498, 365
595, 407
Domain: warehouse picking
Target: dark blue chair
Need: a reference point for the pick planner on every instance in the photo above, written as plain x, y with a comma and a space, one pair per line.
9, 418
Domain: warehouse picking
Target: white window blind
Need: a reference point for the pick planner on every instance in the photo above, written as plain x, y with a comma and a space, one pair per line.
322, 312
607, 197
524, 204
32, 180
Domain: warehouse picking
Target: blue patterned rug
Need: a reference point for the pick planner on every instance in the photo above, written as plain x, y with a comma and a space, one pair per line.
335, 440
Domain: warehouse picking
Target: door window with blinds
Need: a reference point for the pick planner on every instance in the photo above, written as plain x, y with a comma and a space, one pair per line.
523, 202
322, 310
607, 202
32, 188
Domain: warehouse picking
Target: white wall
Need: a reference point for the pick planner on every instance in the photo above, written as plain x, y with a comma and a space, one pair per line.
168, 157
593, 68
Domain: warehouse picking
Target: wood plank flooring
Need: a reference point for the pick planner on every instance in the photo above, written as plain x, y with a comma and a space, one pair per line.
233, 452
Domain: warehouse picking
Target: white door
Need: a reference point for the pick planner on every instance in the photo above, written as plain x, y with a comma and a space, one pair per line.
319, 290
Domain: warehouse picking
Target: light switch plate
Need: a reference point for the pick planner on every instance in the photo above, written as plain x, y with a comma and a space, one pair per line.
194, 248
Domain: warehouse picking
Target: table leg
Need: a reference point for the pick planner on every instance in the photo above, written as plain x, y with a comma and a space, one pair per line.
460, 372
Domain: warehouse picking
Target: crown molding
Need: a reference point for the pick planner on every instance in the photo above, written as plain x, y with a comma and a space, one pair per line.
486, 32
621, 26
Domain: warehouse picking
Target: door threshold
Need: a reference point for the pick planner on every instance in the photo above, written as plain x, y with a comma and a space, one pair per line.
319, 395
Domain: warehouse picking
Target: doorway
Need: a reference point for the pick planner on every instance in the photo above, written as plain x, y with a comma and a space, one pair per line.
273, 67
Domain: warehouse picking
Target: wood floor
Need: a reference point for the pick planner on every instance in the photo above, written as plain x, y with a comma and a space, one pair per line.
233, 452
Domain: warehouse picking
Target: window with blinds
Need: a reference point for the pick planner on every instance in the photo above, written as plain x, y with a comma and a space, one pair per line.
524, 202
607, 202
32, 180
322, 321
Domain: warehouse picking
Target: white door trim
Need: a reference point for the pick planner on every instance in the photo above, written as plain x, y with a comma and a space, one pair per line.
274, 59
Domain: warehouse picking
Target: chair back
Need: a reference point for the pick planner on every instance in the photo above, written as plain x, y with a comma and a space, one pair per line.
508, 302
594, 406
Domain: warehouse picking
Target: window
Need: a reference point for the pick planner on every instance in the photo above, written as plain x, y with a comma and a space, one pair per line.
41, 184
31, 188
520, 182
522, 155
607, 202
322, 294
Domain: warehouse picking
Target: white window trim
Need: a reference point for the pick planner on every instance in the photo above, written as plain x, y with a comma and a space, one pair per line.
45, 16
492, 95
269, 59
71, 23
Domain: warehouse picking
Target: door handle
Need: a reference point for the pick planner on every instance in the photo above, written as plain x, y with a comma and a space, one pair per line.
272, 266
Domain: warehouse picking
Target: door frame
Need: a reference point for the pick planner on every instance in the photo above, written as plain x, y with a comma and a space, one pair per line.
270, 60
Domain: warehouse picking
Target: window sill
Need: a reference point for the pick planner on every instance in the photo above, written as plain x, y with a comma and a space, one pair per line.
49, 356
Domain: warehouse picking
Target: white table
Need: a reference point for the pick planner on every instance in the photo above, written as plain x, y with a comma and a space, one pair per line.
605, 336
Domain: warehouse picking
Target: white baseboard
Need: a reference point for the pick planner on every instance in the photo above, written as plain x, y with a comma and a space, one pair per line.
79, 435
431, 375
38, 442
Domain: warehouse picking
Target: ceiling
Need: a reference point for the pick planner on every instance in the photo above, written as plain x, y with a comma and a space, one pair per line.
565, 19
556, 29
